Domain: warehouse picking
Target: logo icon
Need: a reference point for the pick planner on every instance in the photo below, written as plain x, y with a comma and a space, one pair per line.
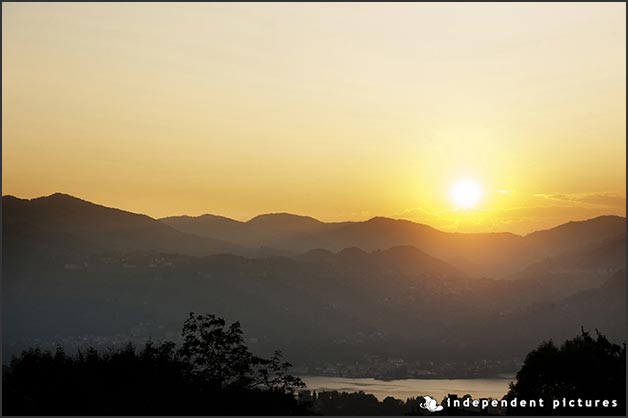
430, 404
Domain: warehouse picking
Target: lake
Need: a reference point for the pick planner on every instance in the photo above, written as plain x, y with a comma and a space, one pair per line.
406, 388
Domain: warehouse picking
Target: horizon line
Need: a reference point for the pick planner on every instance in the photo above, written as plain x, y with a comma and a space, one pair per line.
160, 219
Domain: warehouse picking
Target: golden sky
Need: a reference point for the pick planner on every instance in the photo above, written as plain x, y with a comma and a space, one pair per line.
338, 111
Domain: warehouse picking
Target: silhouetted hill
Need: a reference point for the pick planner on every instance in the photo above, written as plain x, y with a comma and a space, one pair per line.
411, 260
284, 222
382, 287
581, 267
607, 255
603, 308
207, 225
274, 230
492, 254
513, 330
62, 224
399, 302
401, 259
573, 235
353, 256
301, 234
319, 255
208, 219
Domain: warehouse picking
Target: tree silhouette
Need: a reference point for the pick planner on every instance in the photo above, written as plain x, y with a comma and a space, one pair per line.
584, 368
215, 352
213, 373
218, 357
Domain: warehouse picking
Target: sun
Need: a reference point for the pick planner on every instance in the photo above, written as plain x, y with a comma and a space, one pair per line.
466, 193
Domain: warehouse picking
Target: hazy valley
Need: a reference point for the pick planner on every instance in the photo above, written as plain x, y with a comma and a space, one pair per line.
332, 296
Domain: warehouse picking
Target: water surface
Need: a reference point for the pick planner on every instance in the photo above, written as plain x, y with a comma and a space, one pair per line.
402, 389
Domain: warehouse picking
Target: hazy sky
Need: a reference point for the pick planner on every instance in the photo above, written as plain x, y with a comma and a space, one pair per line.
338, 111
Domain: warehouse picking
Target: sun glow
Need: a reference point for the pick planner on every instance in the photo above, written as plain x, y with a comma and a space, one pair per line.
466, 193
331, 132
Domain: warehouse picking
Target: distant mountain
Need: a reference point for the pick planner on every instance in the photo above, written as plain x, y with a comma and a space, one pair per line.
602, 308
76, 271
580, 234
402, 259
207, 225
578, 268
341, 306
278, 230
66, 225
491, 254
606, 255
285, 222
301, 234
60, 224
296, 302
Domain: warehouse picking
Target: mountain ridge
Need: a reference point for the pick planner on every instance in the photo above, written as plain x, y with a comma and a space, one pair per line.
490, 254
377, 219
381, 285
96, 226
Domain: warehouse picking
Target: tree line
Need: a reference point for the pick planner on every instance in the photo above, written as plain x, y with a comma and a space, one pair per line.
213, 372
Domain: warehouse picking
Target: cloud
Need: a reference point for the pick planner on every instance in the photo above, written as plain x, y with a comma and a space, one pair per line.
611, 200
